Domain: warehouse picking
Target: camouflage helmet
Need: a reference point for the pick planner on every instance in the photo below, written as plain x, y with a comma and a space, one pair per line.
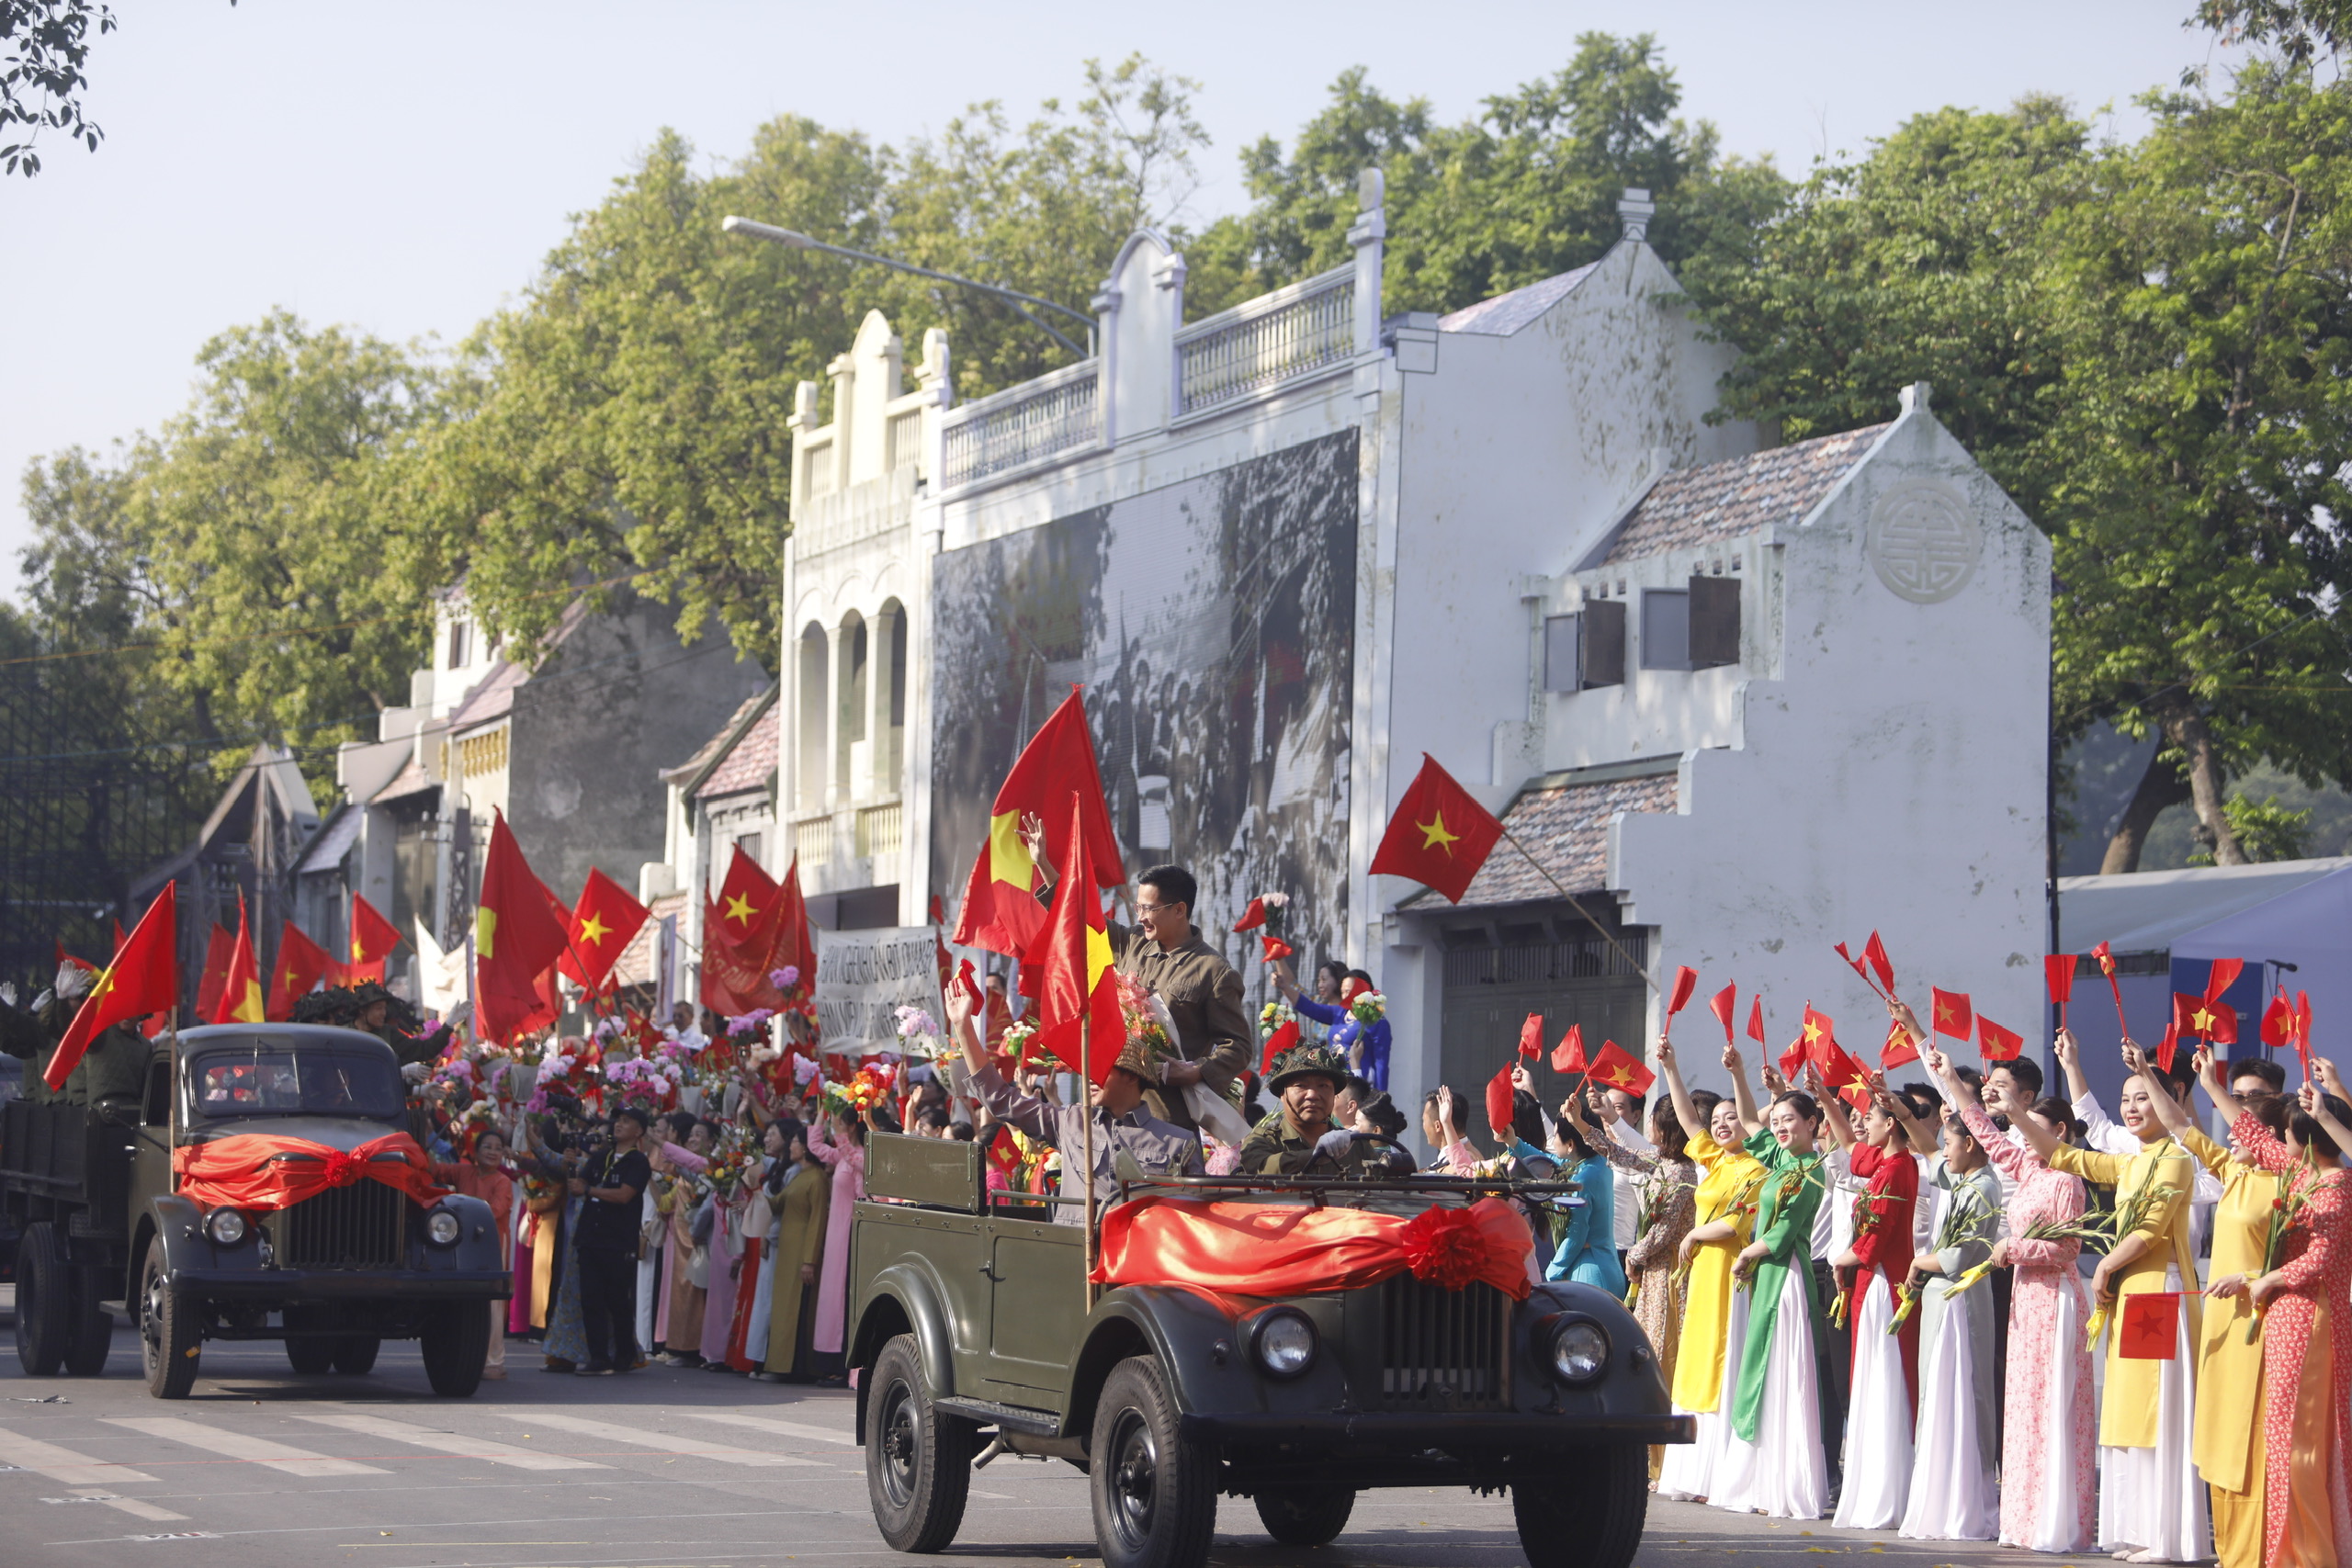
1310, 1061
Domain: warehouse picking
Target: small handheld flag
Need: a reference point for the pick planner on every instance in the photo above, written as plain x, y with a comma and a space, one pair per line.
1498, 1100
1567, 1056
1898, 1051
1995, 1043
2150, 1329
1253, 916
1619, 1068
1686, 980
1756, 1020
2224, 974
1275, 947
1531, 1035
1279, 1040
1954, 1017
1881, 964
2058, 974
1724, 1004
2106, 961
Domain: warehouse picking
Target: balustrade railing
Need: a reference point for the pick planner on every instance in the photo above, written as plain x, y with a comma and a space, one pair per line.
1057, 412
1264, 342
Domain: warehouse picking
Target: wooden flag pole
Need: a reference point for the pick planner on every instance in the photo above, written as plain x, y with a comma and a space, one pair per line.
1580, 909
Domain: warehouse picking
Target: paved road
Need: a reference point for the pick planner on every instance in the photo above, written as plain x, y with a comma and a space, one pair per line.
264, 1469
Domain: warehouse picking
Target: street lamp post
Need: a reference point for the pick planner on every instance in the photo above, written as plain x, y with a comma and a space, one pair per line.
1014, 297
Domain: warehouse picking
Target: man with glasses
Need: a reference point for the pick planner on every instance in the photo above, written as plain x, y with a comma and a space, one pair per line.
1163, 948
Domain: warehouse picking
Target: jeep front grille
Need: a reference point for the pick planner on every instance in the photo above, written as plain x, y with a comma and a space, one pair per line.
364, 1225
1442, 1349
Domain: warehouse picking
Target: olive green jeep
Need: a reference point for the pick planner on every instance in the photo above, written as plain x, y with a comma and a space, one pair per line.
977, 1335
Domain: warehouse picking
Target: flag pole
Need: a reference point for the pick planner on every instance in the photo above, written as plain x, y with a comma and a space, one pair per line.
1086, 1111
1579, 908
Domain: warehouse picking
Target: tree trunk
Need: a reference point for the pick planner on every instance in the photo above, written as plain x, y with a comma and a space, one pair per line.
2205, 785
2160, 786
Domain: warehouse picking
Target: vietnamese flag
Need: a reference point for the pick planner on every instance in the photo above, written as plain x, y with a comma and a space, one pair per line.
1792, 1059
2278, 1021
1439, 835
1995, 1043
1279, 1040
517, 938
372, 941
1898, 1051
1000, 911
602, 922
84, 965
1884, 966
144, 977
1077, 1003
1954, 1017
1501, 1096
1756, 1020
2149, 1327
1619, 1068
1567, 1056
1724, 1004
2224, 974
2303, 1031
301, 964
1686, 980
1531, 1035
218, 946
2058, 974
1253, 916
241, 993
2106, 961
747, 901
1275, 947
2190, 1017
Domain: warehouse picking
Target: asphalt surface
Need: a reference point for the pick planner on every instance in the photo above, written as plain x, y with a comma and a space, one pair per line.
659, 1469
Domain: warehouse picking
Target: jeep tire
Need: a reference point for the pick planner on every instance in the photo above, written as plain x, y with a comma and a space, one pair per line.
308, 1355
91, 1337
918, 1459
455, 1347
44, 1301
1154, 1492
1588, 1511
1305, 1516
169, 1334
355, 1353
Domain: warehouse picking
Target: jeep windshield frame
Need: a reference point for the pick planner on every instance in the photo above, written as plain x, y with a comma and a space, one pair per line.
258, 1078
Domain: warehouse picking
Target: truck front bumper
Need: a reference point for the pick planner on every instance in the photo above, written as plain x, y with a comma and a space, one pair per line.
1406, 1435
299, 1285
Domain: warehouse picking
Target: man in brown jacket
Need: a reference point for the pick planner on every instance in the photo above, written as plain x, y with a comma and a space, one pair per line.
1163, 948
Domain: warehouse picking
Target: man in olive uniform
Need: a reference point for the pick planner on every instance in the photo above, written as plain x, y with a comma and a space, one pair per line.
113, 1065
1163, 948
1301, 1139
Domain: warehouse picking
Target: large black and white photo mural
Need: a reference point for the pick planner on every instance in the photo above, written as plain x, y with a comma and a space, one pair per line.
1211, 626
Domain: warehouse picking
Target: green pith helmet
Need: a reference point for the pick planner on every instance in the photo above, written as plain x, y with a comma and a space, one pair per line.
1300, 1061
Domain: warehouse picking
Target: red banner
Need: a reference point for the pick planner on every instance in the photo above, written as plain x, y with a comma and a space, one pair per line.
1263, 1250
265, 1171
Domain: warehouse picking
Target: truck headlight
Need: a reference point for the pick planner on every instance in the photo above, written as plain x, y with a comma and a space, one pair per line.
1579, 1350
226, 1227
442, 1228
1283, 1343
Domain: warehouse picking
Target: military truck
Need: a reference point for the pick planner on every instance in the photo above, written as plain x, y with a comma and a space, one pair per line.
106, 1229
975, 1335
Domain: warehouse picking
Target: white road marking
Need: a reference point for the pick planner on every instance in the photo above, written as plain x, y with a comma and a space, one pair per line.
236, 1445
134, 1506
64, 1464
444, 1441
664, 1442
769, 1423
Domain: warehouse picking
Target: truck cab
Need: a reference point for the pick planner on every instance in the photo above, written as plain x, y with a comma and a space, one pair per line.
97, 1194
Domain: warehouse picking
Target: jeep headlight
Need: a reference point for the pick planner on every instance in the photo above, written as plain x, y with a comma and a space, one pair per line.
1579, 1350
1283, 1343
442, 1228
226, 1227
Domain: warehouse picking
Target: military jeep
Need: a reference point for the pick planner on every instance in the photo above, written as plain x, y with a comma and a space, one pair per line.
976, 1336
106, 1229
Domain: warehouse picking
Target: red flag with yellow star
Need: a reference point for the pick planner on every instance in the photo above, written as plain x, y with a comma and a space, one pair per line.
519, 935
747, 902
218, 946
144, 977
999, 910
372, 941
1439, 835
1072, 960
301, 964
1954, 1016
1619, 1068
602, 924
241, 993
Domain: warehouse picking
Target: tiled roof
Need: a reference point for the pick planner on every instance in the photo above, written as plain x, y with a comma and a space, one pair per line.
410, 780
1723, 501
1506, 313
492, 698
749, 761
707, 755
635, 965
1568, 826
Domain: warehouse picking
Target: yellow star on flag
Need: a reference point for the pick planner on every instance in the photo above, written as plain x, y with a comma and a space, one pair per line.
1434, 836
1811, 1032
594, 928
1098, 956
359, 952
738, 908
2202, 1017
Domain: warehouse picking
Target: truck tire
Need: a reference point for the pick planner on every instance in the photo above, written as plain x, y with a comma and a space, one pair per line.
355, 1353
1155, 1494
1587, 1513
918, 1462
93, 1332
1305, 1515
169, 1336
44, 1301
456, 1347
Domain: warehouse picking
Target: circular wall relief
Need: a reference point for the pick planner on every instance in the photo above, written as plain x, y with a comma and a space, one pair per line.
1922, 541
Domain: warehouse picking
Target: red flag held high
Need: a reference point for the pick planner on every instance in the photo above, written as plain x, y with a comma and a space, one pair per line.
1275, 947
1279, 1040
1953, 1015
1995, 1043
746, 903
1686, 980
1531, 1035
1898, 1051
218, 946
2168, 1046
1072, 956
1253, 916
2303, 1031
1756, 1020
2224, 974
1619, 1068
2058, 974
1567, 1056
517, 938
241, 992
301, 964
1439, 835
372, 939
1880, 966
144, 977
1792, 1059
602, 923
2191, 1019
1724, 1004
2278, 1021
1498, 1100
82, 964
1855, 963
2106, 962
999, 911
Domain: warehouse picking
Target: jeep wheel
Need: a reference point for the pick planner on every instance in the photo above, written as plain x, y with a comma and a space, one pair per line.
93, 1332
1155, 1494
918, 1462
1588, 1512
1305, 1515
310, 1357
168, 1335
44, 1301
355, 1353
457, 1345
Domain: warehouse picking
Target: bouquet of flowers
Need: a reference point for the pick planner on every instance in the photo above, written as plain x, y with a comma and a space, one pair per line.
732, 1159
1369, 1007
1271, 1017
919, 1034
643, 1080
869, 1087
799, 1000
1016, 1038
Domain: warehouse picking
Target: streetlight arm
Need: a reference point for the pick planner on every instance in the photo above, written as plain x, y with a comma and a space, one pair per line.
786, 237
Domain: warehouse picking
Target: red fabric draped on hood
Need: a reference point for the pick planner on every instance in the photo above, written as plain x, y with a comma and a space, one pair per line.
269, 1170
1277, 1249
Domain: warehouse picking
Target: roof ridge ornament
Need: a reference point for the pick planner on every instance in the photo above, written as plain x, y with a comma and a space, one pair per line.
1636, 208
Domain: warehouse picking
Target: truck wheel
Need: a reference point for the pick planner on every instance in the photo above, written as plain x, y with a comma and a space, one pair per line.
1588, 1512
1155, 1494
1305, 1515
93, 1336
456, 1347
355, 1353
44, 1301
918, 1462
168, 1336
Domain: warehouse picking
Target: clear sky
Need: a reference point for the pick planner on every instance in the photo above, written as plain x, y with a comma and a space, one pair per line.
401, 167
